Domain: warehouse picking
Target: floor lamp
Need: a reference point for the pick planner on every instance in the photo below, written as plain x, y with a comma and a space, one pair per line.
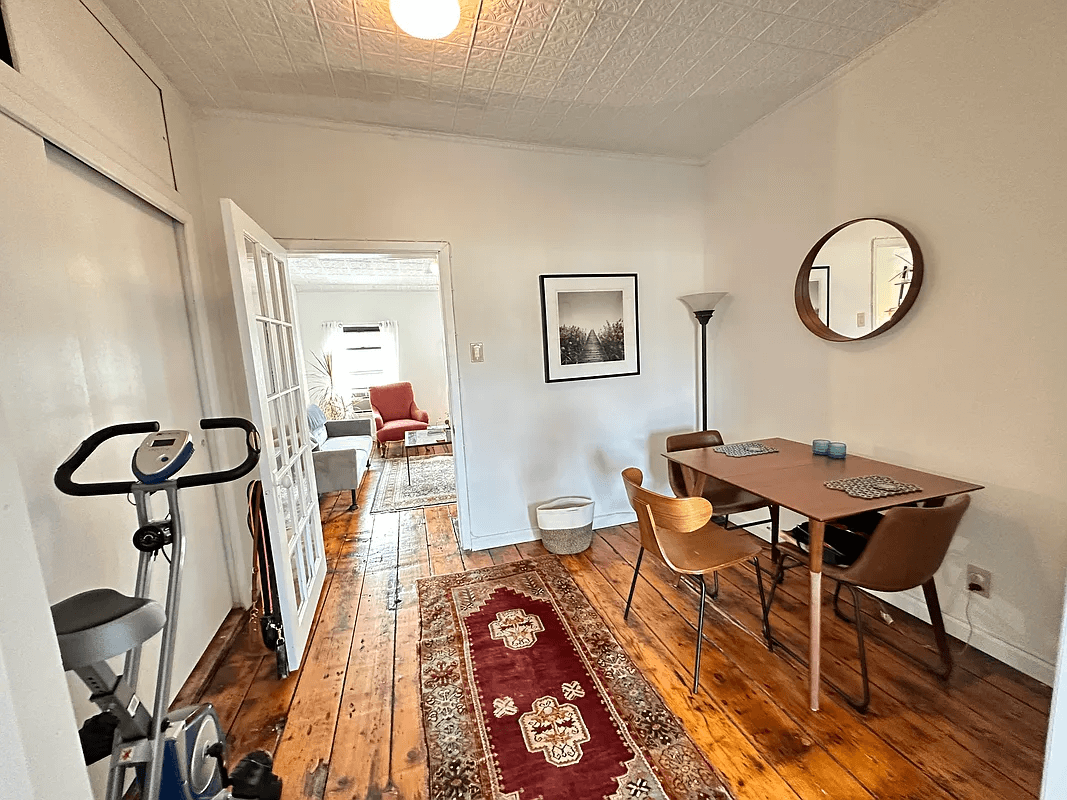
703, 306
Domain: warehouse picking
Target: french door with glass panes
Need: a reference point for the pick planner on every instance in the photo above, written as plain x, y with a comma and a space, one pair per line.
274, 366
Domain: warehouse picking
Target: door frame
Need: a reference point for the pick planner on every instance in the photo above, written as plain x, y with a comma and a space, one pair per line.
443, 252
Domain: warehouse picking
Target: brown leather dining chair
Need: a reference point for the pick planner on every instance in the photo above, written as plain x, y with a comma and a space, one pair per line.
724, 497
904, 551
680, 533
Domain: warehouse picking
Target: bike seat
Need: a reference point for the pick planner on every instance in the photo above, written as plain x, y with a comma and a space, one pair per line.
101, 623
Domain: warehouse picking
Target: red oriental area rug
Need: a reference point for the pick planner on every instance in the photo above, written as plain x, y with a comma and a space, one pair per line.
526, 695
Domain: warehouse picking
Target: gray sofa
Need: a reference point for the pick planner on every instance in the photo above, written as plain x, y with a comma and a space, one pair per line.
342, 451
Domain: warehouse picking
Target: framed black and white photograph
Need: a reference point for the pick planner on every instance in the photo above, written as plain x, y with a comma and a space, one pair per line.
589, 324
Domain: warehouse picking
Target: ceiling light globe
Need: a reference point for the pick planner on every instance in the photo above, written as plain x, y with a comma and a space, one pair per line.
425, 19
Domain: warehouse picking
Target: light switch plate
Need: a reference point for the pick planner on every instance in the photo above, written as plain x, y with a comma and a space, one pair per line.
477, 354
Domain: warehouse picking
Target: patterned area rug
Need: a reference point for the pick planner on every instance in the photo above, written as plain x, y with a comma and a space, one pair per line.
433, 483
525, 693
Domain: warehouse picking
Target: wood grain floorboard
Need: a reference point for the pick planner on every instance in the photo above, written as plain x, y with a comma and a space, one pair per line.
408, 760
505, 555
350, 725
213, 659
362, 740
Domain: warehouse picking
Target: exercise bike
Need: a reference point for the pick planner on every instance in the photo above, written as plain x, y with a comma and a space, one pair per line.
178, 755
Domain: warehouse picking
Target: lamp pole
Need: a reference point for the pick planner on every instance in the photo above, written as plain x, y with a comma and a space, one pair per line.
702, 318
703, 306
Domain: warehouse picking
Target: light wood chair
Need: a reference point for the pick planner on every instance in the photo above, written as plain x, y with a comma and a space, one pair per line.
724, 497
680, 533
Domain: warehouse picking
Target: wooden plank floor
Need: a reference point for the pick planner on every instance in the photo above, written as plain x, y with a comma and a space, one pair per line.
347, 725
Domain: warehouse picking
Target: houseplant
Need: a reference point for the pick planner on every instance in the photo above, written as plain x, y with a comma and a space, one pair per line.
323, 386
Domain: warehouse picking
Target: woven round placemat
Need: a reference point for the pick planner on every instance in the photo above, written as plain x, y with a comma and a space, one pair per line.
871, 487
742, 449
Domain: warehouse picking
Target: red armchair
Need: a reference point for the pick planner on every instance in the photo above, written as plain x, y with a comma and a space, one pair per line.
395, 412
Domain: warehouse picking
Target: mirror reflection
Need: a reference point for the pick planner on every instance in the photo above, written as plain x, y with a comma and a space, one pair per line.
859, 278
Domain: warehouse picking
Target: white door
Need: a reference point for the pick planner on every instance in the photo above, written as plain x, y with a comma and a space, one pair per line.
274, 364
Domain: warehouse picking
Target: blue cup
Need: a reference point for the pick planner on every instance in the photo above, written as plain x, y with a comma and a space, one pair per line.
820, 447
837, 449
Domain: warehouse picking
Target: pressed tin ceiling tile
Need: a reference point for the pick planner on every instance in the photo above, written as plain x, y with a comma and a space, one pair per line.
675, 78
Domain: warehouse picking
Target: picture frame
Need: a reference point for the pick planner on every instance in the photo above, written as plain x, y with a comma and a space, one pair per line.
589, 326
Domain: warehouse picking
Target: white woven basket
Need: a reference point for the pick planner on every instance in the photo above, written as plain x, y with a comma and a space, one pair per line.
566, 524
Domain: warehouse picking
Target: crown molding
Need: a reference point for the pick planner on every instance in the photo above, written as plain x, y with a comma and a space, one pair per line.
412, 133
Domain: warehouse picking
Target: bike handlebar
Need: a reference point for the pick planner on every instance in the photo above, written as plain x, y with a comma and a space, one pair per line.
252, 450
64, 478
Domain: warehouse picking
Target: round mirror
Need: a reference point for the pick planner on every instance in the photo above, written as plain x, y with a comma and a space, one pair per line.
859, 280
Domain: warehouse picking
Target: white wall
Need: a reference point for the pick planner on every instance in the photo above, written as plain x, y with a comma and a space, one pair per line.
38, 741
420, 330
510, 215
95, 327
972, 384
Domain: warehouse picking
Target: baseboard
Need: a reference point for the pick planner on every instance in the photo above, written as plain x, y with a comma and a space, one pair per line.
504, 538
611, 520
1005, 652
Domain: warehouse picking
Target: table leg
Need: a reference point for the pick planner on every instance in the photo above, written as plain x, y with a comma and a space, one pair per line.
694, 481
817, 530
407, 459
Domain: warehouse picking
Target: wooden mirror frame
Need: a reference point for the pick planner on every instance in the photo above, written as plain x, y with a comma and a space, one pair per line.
806, 311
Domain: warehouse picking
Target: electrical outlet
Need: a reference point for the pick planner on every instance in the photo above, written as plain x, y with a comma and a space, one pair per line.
979, 580
861, 319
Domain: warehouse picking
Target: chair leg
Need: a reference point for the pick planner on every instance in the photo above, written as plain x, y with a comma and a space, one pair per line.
837, 608
775, 529
933, 605
762, 596
715, 590
862, 706
354, 505
779, 569
700, 635
633, 583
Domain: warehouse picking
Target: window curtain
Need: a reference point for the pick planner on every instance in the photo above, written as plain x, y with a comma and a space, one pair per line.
390, 351
332, 342
331, 337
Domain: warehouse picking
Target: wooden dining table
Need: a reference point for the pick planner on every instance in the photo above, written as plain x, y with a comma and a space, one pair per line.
795, 478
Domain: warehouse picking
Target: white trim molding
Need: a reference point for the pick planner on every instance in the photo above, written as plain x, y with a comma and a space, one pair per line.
442, 136
522, 535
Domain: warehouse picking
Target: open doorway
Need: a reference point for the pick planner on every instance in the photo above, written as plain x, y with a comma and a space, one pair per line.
378, 337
